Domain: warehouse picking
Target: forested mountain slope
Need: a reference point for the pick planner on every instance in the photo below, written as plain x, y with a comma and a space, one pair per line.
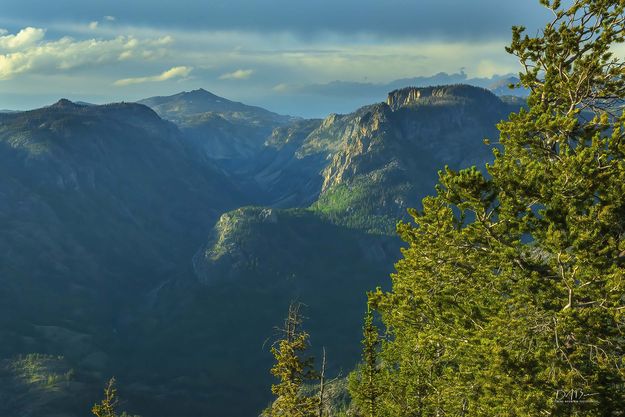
99, 205
166, 255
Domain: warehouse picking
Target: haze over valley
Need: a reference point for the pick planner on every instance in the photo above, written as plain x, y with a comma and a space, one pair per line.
197, 200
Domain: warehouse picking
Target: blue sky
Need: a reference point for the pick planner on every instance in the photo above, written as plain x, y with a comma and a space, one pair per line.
275, 53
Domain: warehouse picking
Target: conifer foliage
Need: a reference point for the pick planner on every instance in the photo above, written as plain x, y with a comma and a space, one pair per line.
293, 369
108, 405
365, 383
510, 297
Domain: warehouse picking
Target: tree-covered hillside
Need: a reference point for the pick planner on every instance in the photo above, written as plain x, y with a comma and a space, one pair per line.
99, 206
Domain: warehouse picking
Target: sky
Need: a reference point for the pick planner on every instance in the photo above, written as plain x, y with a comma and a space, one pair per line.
291, 56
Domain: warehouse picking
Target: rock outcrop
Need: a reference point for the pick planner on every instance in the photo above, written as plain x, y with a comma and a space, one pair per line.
430, 95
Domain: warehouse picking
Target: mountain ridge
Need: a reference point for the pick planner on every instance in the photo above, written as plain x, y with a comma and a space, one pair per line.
227, 131
200, 101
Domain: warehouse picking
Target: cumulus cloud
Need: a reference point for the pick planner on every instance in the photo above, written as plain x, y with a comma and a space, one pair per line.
24, 38
28, 52
239, 74
175, 72
110, 18
93, 25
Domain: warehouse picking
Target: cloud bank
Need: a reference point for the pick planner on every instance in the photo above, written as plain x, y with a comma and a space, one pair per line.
28, 52
82, 61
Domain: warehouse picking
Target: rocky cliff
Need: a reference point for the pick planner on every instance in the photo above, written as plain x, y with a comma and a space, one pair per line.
410, 96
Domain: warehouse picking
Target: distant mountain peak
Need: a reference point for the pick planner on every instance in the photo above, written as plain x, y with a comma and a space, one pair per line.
190, 108
65, 103
200, 92
502, 87
68, 104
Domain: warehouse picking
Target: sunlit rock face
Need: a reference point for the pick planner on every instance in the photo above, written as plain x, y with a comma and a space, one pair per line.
440, 94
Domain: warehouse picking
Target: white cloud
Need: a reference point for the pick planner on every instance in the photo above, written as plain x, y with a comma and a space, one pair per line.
23, 39
175, 72
239, 74
285, 57
96, 24
3, 31
28, 52
164, 40
281, 88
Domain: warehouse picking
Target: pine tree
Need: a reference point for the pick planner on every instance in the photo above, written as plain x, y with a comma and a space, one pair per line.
293, 370
365, 384
108, 406
509, 299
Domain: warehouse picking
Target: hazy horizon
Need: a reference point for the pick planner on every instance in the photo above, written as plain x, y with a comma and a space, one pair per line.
281, 56
322, 99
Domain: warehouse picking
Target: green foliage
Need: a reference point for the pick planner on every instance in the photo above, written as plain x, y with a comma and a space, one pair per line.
509, 298
292, 371
108, 406
35, 368
354, 205
365, 384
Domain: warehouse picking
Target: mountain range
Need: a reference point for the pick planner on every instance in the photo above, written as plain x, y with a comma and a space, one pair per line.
162, 241
314, 100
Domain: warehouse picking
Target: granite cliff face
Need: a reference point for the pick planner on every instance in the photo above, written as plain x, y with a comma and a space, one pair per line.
400, 98
411, 96
375, 162
363, 136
